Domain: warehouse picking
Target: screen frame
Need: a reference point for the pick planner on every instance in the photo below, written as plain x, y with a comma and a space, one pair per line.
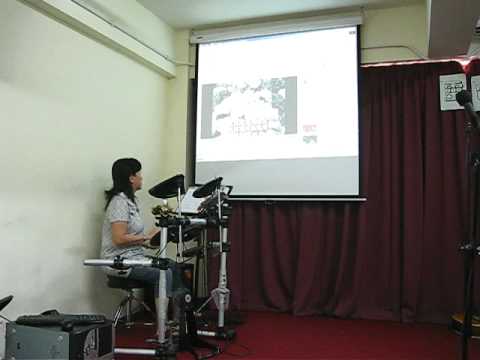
280, 197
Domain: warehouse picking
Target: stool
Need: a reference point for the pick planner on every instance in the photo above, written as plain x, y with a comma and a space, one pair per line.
127, 285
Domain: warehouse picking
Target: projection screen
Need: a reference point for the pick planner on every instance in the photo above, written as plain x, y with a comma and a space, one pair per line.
277, 115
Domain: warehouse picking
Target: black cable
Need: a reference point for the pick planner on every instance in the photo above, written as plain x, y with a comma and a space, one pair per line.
185, 260
229, 343
211, 354
161, 250
248, 351
3, 317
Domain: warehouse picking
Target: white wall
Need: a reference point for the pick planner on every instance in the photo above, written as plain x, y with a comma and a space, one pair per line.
402, 25
178, 108
137, 21
70, 107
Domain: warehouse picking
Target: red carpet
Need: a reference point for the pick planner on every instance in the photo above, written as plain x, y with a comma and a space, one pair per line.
282, 336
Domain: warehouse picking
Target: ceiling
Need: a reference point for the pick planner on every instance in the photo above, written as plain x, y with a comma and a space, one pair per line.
450, 23
194, 14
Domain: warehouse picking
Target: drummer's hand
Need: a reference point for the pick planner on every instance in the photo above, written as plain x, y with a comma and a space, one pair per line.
152, 233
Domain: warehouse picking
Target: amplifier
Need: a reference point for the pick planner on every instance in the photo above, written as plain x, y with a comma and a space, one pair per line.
51, 342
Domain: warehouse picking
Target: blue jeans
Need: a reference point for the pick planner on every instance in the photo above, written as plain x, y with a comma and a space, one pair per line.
151, 275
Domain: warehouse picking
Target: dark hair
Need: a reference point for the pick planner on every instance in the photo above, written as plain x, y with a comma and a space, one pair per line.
122, 169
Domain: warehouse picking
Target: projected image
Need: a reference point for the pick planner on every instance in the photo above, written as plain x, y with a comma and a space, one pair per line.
254, 108
278, 114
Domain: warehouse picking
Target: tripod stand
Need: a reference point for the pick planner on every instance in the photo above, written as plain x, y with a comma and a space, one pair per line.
470, 250
215, 213
219, 208
471, 246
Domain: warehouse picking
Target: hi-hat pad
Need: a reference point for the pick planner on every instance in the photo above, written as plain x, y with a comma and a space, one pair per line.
5, 301
169, 188
208, 188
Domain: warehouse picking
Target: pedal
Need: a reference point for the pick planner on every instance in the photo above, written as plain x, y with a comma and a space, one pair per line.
457, 325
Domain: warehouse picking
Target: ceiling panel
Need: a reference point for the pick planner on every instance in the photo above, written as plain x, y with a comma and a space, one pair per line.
451, 27
200, 13
451, 23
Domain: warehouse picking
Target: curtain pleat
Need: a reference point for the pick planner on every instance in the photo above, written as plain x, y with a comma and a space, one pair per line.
395, 256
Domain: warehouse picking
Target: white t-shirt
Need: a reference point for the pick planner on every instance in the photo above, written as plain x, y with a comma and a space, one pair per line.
121, 208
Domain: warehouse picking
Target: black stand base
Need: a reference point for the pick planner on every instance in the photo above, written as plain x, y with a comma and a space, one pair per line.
190, 340
165, 355
457, 324
225, 334
232, 317
220, 334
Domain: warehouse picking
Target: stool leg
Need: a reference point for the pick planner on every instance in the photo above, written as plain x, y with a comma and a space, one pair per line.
117, 315
127, 304
129, 321
144, 304
146, 307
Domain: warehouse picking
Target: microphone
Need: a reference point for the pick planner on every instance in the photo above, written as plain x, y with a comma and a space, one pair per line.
464, 98
5, 301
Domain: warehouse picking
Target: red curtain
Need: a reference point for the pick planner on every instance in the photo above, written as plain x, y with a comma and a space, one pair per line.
395, 256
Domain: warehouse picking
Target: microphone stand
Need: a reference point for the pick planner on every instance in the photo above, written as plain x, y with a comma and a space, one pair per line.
471, 247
